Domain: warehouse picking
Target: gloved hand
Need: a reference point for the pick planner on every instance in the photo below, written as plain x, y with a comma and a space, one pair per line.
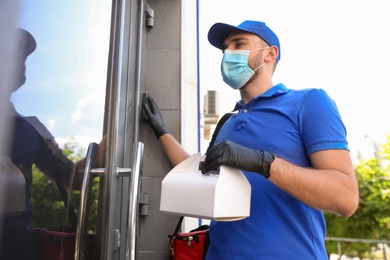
237, 156
154, 117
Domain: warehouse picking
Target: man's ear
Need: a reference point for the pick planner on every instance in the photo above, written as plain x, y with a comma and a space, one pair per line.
272, 54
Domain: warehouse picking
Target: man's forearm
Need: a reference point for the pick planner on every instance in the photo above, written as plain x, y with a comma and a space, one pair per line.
173, 149
324, 189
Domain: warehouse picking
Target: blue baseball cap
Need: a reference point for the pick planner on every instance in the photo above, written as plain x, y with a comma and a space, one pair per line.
220, 31
25, 43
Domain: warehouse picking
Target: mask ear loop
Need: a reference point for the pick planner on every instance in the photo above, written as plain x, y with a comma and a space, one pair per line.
262, 48
259, 66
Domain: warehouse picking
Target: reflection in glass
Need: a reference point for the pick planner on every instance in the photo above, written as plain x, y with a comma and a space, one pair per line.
62, 97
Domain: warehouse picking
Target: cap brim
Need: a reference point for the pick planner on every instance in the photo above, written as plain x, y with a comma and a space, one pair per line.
26, 41
219, 32
30, 42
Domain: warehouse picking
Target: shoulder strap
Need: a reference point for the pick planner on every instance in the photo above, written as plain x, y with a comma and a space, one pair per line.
219, 125
178, 225
64, 195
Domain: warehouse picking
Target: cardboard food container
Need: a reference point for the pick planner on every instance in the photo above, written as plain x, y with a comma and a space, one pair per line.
222, 196
12, 187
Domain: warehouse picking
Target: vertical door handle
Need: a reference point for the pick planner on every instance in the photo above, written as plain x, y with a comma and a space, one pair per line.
90, 163
138, 150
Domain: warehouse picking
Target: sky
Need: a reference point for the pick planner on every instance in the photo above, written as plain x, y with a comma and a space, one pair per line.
339, 46
66, 74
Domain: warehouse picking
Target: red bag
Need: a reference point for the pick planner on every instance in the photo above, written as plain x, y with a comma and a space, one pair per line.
60, 244
189, 246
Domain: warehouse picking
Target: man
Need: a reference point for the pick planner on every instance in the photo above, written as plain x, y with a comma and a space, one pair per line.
30, 143
290, 144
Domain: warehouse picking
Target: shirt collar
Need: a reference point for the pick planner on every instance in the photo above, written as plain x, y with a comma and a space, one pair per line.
277, 90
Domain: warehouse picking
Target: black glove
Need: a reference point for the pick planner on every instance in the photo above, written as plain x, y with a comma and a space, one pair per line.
237, 156
154, 117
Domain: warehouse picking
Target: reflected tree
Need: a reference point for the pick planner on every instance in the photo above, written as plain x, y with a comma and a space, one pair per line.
49, 210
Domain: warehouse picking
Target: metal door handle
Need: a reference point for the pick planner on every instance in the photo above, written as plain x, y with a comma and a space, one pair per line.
89, 173
90, 162
138, 150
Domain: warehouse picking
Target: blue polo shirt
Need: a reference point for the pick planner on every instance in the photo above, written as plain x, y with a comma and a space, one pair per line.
31, 144
291, 124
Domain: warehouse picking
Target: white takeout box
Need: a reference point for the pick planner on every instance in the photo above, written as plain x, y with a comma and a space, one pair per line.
12, 187
223, 197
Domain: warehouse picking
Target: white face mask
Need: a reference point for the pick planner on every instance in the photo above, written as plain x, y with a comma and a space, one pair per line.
234, 67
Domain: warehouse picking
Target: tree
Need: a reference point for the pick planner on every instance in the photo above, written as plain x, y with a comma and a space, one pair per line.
371, 220
49, 210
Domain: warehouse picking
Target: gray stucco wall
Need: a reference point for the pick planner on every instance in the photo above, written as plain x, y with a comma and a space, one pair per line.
163, 81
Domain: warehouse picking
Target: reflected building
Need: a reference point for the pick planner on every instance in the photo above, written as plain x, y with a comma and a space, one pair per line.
210, 113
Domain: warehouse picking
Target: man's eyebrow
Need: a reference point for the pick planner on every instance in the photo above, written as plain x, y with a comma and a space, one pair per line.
234, 40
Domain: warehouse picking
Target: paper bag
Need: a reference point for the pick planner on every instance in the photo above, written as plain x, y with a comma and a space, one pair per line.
224, 196
12, 187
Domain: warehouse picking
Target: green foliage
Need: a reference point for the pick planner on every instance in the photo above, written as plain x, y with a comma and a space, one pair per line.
73, 151
49, 210
371, 220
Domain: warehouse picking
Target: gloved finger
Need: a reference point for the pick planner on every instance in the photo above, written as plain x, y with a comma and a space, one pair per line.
153, 105
212, 160
211, 149
211, 165
147, 111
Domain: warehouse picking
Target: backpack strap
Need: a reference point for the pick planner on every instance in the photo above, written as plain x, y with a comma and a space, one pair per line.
178, 226
219, 125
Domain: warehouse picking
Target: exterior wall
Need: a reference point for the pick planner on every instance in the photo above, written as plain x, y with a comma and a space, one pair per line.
172, 83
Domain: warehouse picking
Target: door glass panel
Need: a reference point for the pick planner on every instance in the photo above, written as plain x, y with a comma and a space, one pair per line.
63, 97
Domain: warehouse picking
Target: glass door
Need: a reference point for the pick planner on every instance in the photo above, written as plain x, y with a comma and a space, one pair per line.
62, 50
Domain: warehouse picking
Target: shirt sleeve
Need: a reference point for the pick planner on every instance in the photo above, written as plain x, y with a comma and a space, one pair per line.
320, 123
51, 160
